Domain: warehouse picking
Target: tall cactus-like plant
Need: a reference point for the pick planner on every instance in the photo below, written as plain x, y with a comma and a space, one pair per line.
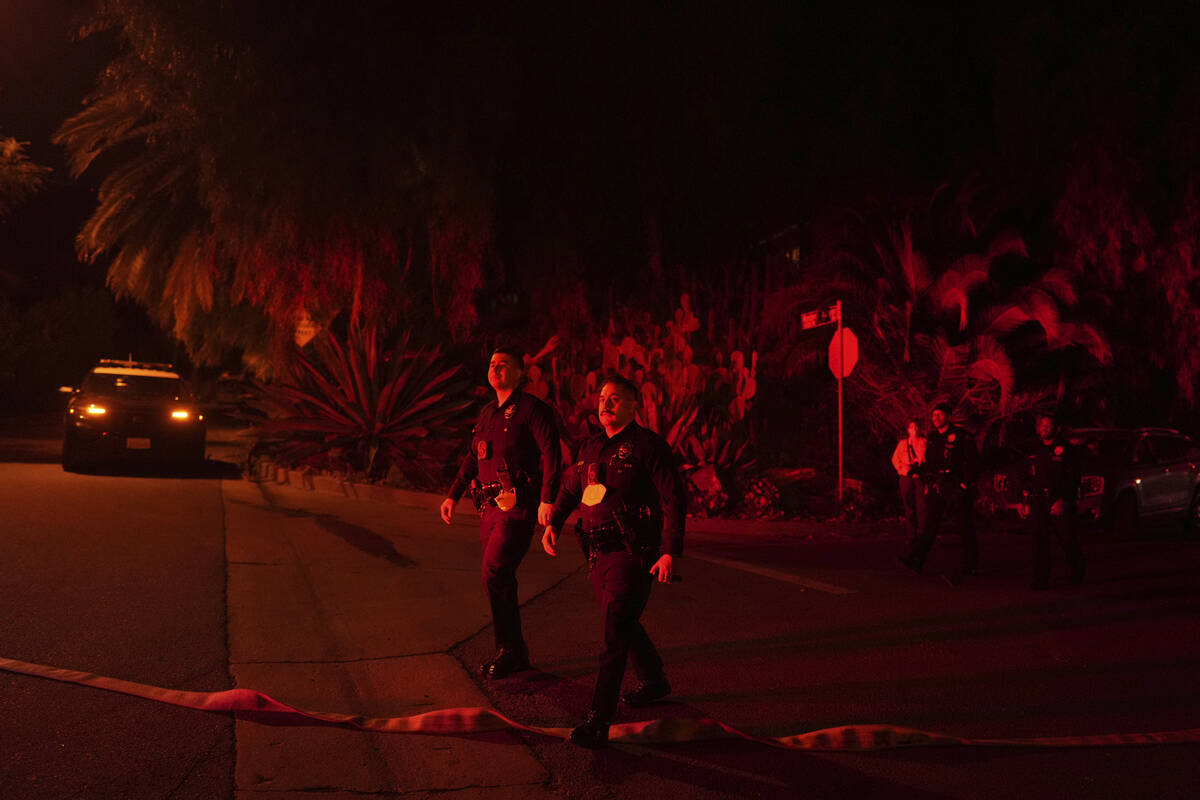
364, 407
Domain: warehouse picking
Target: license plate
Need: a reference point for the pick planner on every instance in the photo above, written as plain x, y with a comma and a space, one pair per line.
135, 443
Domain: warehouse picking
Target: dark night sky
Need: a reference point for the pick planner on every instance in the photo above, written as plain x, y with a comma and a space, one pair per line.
814, 104
45, 72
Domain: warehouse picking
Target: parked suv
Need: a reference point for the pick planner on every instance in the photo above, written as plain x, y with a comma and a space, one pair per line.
131, 411
1129, 475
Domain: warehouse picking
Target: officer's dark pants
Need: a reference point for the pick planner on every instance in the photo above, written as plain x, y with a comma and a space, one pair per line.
953, 505
912, 495
505, 536
622, 585
1064, 528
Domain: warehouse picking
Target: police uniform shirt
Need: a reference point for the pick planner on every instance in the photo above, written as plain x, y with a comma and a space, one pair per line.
637, 468
951, 453
1053, 471
522, 434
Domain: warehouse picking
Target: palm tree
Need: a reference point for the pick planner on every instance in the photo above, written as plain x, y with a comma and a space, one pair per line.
1129, 239
922, 277
264, 164
19, 177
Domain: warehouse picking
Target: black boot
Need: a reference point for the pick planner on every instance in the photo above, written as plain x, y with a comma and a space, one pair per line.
592, 734
646, 693
505, 663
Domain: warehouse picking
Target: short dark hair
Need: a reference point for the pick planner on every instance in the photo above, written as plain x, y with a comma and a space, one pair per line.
513, 352
627, 386
1050, 415
944, 408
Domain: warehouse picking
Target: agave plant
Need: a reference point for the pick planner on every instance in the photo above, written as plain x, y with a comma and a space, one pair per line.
362, 407
715, 456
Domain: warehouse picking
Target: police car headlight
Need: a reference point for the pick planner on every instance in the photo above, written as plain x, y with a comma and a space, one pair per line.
181, 415
95, 410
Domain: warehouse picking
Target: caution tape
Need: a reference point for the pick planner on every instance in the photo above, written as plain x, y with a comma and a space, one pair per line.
449, 721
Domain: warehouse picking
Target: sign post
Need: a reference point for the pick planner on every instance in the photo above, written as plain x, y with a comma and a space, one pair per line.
841, 361
843, 355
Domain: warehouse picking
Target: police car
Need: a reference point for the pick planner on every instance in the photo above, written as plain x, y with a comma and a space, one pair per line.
131, 411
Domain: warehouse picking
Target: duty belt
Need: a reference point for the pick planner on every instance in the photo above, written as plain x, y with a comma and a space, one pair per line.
485, 494
619, 534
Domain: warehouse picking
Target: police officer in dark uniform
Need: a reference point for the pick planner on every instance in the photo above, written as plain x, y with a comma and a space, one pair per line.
949, 473
632, 509
512, 473
1050, 501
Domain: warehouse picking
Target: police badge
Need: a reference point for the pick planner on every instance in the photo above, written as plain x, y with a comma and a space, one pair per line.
594, 492
506, 500
625, 451
508, 412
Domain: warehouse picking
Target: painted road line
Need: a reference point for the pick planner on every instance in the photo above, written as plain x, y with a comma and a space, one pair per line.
767, 572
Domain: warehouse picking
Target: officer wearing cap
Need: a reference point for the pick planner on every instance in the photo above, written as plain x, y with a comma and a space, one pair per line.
1049, 501
632, 509
950, 464
512, 472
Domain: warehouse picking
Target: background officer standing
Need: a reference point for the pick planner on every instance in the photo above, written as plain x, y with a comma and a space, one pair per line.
950, 463
631, 525
1050, 501
513, 472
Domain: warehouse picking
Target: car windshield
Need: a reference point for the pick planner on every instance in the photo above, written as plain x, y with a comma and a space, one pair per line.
1170, 448
133, 385
1110, 448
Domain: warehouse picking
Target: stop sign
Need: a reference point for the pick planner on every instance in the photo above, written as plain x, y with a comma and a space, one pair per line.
849, 346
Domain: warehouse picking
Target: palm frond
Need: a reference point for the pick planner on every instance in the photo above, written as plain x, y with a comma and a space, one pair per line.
992, 364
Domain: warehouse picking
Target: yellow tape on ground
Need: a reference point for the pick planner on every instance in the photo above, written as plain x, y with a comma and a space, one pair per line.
662, 731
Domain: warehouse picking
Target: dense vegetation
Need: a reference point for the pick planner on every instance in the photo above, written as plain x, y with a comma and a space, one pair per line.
664, 191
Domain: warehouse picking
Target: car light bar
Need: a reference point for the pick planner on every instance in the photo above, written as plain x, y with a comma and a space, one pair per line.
180, 414
96, 410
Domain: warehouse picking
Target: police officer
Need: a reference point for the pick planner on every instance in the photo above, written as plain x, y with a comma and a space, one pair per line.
950, 463
513, 473
1049, 501
631, 526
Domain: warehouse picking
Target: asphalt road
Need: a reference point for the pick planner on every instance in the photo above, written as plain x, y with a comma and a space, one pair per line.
365, 608
120, 573
122, 576
779, 635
